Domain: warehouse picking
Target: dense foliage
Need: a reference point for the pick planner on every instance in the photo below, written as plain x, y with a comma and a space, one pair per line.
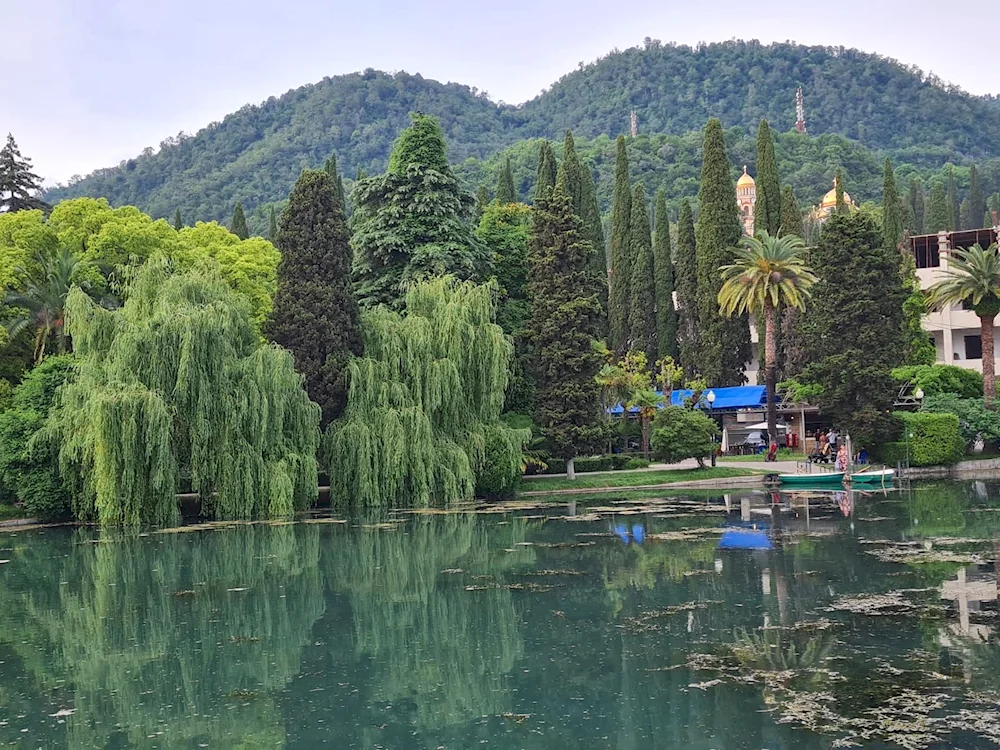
975, 421
939, 379
929, 439
413, 222
316, 316
565, 321
256, 154
851, 334
27, 471
176, 386
422, 418
682, 433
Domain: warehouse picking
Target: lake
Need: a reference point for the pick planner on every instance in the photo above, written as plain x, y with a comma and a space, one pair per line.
738, 620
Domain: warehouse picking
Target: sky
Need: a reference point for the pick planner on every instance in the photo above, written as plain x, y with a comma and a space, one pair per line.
88, 83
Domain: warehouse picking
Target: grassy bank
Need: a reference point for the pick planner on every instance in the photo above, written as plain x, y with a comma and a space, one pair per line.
632, 478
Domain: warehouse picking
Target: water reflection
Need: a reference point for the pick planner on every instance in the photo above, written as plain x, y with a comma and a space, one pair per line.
743, 620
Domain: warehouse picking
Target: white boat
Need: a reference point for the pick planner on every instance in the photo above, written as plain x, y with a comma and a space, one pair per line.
869, 477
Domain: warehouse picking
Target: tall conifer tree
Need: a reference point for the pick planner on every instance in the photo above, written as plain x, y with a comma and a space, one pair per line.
330, 167
977, 200
767, 209
316, 315
663, 274
547, 171
565, 321
592, 224
892, 213
506, 192
238, 226
686, 280
413, 222
178, 222
838, 185
954, 205
916, 206
725, 342
19, 186
621, 267
272, 225
938, 216
642, 298
791, 214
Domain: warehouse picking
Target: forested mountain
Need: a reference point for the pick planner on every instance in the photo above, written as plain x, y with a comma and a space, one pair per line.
876, 104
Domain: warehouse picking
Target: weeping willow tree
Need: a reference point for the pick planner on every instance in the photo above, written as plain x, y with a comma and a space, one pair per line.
176, 386
422, 417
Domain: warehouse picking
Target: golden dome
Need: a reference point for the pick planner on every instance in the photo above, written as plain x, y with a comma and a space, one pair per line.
745, 179
830, 199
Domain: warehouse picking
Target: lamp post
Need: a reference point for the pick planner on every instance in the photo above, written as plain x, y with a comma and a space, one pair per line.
710, 397
919, 396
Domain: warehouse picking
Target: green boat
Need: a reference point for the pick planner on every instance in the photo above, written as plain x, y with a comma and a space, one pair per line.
823, 478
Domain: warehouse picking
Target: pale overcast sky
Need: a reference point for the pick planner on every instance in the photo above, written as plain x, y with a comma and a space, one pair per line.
90, 82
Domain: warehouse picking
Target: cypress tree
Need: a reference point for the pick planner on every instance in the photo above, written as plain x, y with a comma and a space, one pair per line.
506, 192
938, 217
315, 313
954, 207
642, 302
238, 226
621, 270
178, 223
272, 225
767, 209
791, 215
482, 201
565, 320
686, 271
966, 219
725, 342
663, 274
860, 291
330, 167
916, 201
892, 213
838, 184
547, 171
413, 222
592, 225
977, 200
18, 184
571, 174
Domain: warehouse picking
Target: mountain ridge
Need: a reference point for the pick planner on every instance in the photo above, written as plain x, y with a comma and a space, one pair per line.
255, 153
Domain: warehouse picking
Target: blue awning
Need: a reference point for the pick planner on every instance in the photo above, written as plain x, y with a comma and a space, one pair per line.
734, 397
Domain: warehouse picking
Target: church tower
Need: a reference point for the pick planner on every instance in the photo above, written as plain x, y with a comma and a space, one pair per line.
746, 199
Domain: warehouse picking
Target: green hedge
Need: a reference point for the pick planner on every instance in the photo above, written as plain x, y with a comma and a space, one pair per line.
936, 440
613, 462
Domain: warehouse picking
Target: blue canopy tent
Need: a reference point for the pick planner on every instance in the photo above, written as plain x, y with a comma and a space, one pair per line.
726, 399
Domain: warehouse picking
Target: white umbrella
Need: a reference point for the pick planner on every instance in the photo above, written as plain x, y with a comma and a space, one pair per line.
725, 440
763, 426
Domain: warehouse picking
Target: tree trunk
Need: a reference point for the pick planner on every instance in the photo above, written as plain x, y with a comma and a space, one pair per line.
989, 374
570, 468
645, 436
770, 373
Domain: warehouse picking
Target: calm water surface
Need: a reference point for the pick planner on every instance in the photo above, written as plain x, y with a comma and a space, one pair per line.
806, 620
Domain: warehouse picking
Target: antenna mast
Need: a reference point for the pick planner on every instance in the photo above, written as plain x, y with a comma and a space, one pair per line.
634, 122
800, 111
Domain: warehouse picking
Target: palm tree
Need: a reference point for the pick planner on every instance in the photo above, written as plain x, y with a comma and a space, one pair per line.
768, 273
973, 276
40, 304
647, 401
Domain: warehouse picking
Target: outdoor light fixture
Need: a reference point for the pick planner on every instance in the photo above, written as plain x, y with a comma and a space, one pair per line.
919, 394
710, 397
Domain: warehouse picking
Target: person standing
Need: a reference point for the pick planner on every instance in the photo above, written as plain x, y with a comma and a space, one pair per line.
831, 438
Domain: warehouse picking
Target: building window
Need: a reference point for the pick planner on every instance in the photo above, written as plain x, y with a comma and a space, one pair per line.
925, 252
973, 347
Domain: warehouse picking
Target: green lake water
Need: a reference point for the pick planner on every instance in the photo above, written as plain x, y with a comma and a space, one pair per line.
738, 620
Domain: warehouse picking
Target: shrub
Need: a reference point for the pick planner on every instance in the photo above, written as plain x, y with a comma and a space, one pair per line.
637, 463
975, 421
937, 379
501, 468
936, 440
29, 471
682, 433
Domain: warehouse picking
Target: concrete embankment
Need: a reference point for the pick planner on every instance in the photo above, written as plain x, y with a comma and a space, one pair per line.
986, 468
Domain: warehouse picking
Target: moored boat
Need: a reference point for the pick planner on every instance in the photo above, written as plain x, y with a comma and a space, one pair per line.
867, 477
817, 477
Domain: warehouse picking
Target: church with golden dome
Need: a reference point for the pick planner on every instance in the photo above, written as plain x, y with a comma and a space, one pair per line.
746, 199
828, 205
